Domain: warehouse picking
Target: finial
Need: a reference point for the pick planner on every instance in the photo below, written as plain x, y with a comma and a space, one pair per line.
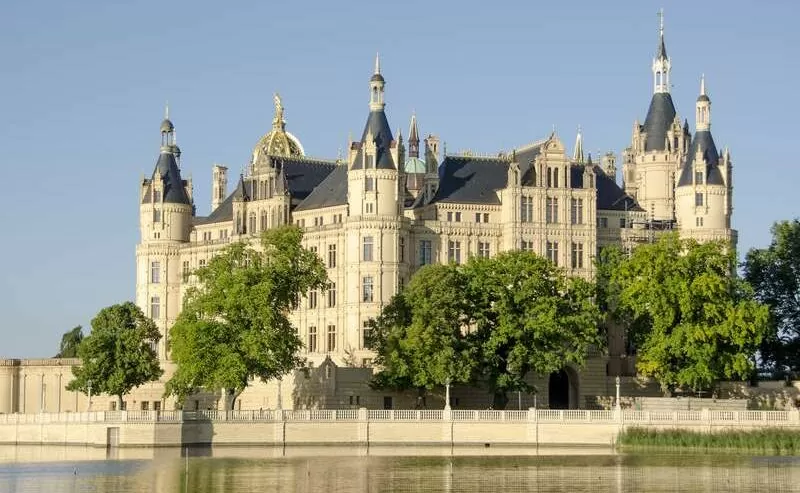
661, 22
166, 110
377, 63
278, 120
703, 84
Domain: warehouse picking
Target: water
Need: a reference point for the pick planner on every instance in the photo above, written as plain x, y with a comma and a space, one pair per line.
404, 469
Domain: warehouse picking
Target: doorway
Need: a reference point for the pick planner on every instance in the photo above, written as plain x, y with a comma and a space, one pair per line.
558, 390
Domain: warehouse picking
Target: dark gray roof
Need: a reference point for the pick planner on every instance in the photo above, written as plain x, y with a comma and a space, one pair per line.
476, 180
301, 176
704, 142
525, 157
703, 97
378, 126
332, 191
660, 116
174, 186
662, 48
471, 180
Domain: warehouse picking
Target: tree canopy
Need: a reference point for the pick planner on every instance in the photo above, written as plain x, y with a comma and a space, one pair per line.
70, 342
118, 355
774, 274
234, 326
693, 322
492, 320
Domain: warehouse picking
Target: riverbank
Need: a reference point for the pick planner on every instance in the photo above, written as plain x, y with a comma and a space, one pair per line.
778, 441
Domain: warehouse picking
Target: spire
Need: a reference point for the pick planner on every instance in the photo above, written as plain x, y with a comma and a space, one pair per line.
166, 111
577, 155
376, 85
167, 132
413, 137
703, 109
661, 62
377, 64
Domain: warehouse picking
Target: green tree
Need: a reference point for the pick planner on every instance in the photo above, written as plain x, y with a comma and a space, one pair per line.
530, 318
774, 273
692, 321
422, 336
118, 355
234, 326
70, 342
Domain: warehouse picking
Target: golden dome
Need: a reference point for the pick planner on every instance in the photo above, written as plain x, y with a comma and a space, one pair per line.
277, 142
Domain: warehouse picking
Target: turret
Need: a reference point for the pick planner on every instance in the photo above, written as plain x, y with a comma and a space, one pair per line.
661, 62
414, 167
219, 188
609, 164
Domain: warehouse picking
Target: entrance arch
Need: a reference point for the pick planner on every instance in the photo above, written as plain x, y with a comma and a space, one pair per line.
562, 389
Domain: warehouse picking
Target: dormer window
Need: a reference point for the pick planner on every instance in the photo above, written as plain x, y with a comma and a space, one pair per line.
369, 184
698, 177
156, 195
369, 161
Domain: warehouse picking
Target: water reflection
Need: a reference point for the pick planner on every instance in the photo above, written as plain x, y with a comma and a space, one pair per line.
335, 469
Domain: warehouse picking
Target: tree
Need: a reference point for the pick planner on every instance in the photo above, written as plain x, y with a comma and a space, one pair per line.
70, 342
774, 273
118, 355
422, 337
692, 320
234, 326
530, 318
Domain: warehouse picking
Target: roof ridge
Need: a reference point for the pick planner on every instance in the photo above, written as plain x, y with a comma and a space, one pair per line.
308, 159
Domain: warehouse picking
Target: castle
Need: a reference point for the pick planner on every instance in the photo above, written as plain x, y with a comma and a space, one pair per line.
392, 205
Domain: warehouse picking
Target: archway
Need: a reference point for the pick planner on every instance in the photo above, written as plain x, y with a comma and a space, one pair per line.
558, 390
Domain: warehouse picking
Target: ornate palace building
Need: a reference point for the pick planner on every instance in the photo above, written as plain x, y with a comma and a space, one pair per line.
393, 205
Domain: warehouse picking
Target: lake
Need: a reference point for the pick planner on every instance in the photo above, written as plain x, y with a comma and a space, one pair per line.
32, 469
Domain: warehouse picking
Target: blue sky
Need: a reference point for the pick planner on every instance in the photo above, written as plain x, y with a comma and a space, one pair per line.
83, 87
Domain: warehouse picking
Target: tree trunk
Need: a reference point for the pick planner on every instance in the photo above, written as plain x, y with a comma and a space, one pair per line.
119, 402
230, 397
499, 400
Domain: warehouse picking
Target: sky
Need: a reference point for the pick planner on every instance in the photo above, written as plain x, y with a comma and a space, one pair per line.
83, 87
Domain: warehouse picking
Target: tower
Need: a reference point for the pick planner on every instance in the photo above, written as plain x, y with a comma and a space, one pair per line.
165, 214
219, 187
414, 166
658, 146
704, 190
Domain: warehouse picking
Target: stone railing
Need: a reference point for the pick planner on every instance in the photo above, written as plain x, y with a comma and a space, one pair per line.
625, 417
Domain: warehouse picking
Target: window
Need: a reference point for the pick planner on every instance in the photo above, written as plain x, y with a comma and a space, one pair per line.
477, 217
551, 212
454, 251
370, 161
369, 208
458, 217
331, 338
450, 216
698, 177
332, 255
367, 249
202, 262
576, 211
552, 251
155, 307
155, 272
156, 215
156, 195
331, 294
313, 249
486, 217
365, 332
425, 252
402, 249
367, 289
526, 246
369, 184
623, 223
603, 222
552, 177
312, 299
483, 249
577, 255
263, 221
698, 199
698, 221
252, 222
526, 210
145, 405
185, 272
312, 339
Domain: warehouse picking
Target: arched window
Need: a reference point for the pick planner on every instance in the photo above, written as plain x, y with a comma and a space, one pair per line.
252, 222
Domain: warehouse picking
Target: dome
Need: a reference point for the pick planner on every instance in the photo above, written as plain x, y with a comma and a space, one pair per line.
702, 97
277, 142
167, 126
414, 165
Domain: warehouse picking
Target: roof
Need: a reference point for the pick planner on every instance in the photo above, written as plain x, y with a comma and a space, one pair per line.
414, 165
174, 186
465, 179
330, 192
378, 126
704, 142
301, 176
662, 48
660, 116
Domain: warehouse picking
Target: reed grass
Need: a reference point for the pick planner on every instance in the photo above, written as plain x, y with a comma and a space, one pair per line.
767, 440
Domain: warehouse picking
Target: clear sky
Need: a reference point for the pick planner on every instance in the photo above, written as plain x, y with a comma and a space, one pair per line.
83, 86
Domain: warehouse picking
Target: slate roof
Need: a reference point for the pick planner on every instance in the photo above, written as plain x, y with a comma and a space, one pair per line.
301, 176
476, 180
378, 126
330, 192
167, 168
660, 116
705, 143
